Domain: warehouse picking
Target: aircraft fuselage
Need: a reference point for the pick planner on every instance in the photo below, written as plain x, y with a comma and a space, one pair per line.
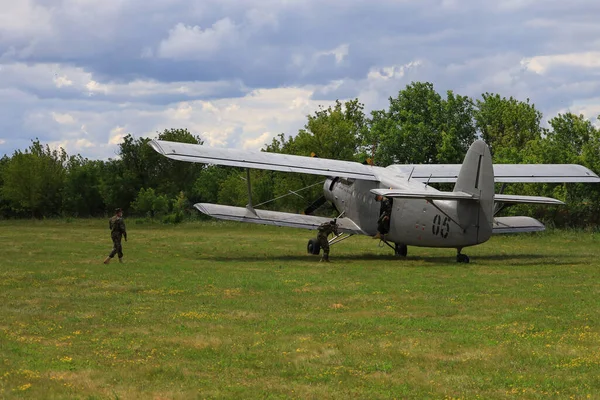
415, 222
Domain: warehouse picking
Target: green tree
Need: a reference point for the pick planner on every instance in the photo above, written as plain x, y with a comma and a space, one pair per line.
232, 191
149, 204
421, 127
457, 128
34, 179
146, 168
566, 140
81, 192
5, 209
336, 132
207, 185
507, 126
118, 186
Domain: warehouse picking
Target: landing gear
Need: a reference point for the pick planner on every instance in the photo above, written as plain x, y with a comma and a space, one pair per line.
400, 250
462, 258
313, 247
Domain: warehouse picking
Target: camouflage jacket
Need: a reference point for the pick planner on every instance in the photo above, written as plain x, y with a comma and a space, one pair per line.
326, 228
386, 206
117, 226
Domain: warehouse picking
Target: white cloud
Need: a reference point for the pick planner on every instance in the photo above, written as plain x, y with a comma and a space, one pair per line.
590, 109
63, 119
258, 142
24, 19
61, 81
191, 42
94, 87
391, 72
183, 111
239, 72
217, 138
260, 18
116, 135
339, 53
2, 141
83, 143
72, 146
541, 64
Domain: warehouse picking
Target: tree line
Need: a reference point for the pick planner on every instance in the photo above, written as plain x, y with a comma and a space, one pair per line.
419, 126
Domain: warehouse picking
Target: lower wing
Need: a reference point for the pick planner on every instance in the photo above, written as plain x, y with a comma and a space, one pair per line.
516, 225
437, 195
276, 218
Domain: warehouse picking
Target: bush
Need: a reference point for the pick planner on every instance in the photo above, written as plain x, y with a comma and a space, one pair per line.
173, 218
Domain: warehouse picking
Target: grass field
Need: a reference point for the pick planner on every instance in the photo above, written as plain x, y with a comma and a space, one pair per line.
225, 310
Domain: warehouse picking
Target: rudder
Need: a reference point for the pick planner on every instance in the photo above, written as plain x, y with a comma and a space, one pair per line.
476, 177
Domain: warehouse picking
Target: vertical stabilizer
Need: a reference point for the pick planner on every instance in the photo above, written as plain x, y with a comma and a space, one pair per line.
476, 177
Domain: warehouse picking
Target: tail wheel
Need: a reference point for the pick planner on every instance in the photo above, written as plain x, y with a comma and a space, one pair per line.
313, 247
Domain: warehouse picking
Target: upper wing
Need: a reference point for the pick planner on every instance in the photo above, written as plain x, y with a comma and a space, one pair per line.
263, 160
267, 217
510, 173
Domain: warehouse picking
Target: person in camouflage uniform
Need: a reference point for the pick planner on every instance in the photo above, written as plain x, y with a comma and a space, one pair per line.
325, 229
117, 231
385, 212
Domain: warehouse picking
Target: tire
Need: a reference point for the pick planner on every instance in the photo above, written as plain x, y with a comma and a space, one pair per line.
401, 250
313, 247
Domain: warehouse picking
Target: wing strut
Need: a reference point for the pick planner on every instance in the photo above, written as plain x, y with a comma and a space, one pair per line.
499, 206
249, 185
339, 238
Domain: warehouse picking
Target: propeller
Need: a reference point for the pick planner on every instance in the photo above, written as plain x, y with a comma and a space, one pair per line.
314, 205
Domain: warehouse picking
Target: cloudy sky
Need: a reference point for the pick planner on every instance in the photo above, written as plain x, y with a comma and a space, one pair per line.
81, 74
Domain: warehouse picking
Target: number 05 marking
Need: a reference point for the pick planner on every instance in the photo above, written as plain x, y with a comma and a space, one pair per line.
440, 227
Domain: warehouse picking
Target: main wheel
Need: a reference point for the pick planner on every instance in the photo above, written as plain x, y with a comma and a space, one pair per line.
313, 247
401, 250
462, 258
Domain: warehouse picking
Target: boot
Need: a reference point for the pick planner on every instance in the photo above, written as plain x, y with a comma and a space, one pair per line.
325, 258
377, 236
106, 260
121, 259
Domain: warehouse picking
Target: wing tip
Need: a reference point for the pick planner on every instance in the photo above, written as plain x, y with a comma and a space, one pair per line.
156, 146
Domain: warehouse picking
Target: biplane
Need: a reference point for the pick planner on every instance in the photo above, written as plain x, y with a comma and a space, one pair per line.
420, 214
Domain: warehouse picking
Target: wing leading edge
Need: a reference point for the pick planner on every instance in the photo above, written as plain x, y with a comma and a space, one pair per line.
263, 160
434, 173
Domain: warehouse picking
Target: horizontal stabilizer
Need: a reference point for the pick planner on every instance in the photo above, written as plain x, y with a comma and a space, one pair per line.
509, 173
266, 217
263, 160
516, 225
424, 194
509, 198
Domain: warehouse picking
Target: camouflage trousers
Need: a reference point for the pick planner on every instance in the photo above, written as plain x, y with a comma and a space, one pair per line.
117, 247
324, 243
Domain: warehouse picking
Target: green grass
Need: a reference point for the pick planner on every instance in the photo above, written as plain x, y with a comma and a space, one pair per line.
224, 310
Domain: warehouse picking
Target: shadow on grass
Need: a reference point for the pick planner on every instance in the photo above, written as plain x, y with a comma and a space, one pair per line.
516, 259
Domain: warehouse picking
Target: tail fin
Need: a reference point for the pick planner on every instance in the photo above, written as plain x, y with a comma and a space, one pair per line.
476, 177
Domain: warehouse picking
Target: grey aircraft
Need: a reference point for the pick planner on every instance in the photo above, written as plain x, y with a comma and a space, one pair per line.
420, 214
